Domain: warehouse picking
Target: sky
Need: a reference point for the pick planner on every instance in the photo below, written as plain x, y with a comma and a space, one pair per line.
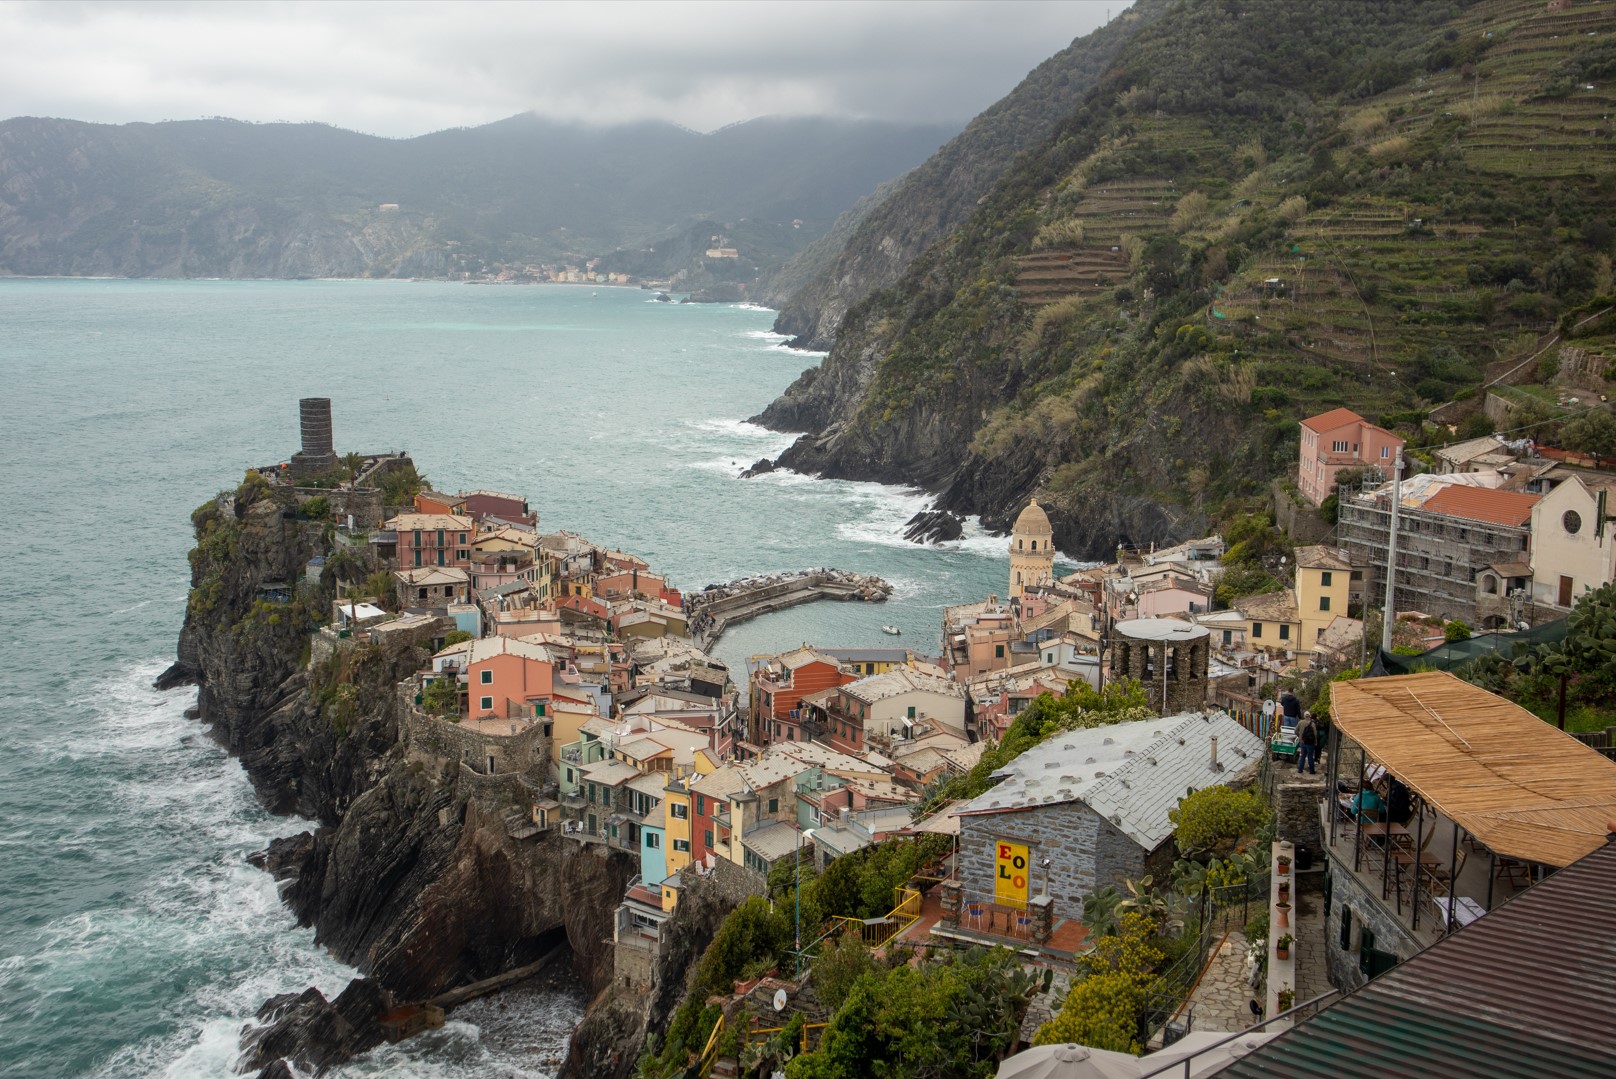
402, 69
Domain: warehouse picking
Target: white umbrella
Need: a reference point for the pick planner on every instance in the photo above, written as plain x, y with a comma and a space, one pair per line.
1070, 1062
1207, 1061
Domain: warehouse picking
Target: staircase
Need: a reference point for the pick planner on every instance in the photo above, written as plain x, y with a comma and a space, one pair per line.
725, 1068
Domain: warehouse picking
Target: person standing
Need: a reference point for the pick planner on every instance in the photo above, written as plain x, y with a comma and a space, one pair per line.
1292, 707
1307, 741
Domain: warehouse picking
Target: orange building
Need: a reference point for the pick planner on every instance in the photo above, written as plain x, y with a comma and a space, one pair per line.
779, 686
506, 678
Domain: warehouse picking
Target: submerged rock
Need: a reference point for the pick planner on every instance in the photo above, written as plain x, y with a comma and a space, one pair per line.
763, 467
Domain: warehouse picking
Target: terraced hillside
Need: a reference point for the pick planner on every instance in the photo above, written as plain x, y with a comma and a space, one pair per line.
1265, 211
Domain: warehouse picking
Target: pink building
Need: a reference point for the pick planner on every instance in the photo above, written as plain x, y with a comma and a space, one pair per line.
1336, 440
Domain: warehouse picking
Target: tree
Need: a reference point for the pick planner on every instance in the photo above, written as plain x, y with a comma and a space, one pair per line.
1593, 432
1106, 1008
1216, 818
1245, 579
441, 696
455, 636
1456, 631
1588, 651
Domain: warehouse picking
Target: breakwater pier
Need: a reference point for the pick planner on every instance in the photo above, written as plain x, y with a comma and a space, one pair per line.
719, 606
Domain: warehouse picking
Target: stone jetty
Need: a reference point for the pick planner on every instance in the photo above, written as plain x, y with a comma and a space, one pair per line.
719, 606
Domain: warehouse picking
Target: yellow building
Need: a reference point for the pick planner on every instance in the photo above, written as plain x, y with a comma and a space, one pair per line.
1272, 621
676, 804
1032, 549
1322, 579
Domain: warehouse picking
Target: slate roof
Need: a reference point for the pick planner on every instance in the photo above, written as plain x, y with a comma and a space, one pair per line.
1527, 990
1320, 556
878, 687
1130, 773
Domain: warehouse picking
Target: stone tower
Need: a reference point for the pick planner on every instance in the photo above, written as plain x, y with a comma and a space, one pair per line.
1032, 549
1169, 656
314, 420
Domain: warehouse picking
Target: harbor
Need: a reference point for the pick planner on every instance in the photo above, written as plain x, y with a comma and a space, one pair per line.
719, 606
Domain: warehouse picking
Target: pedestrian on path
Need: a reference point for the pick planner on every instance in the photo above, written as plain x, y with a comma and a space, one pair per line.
1307, 740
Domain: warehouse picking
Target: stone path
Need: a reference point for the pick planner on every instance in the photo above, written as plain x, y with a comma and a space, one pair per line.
1222, 1000
1308, 927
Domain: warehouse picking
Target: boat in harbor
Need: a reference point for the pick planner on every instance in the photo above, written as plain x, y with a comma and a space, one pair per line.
894, 630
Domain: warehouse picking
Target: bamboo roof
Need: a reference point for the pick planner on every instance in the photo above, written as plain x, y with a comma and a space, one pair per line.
1522, 788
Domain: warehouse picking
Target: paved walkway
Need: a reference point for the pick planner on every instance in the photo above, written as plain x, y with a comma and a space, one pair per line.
1308, 927
1222, 999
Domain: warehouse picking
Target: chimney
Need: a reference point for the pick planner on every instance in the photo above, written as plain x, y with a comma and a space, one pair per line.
1214, 753
841, 816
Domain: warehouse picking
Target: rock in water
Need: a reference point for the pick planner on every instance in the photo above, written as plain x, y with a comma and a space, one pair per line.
763, 466
934, 526
315, 1034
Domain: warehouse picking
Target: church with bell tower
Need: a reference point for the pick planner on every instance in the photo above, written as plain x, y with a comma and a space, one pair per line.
1032, 550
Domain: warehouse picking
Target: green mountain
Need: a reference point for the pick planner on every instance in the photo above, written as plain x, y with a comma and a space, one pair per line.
877, 240
231, 199
1262, 210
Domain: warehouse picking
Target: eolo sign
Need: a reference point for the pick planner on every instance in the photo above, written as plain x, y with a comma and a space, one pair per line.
1011, 875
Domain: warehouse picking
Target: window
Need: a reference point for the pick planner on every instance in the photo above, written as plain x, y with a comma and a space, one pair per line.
701, 809
1228, 637
774, 805
440, 556
1385, 452
488, 677
998, 651
653, 840
1256, 629
682, 845
1346, 928
1324, 603
417, 558
911, 711
1571, 521
486, 703
1284, 632
680, 811
1325, 579
462, 537
709, 838
1338, 447
440, 537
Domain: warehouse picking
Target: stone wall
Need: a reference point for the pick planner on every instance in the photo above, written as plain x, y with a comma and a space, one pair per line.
1186, 680
1390, 935
1085, 851
365, 504
1295, 516
1296, 805
439, 742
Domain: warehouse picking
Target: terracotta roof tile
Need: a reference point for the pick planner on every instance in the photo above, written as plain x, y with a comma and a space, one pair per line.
1483, 504
1329, 421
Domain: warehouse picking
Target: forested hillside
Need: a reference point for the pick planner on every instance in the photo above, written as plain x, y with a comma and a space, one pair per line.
1263, 210
231, 199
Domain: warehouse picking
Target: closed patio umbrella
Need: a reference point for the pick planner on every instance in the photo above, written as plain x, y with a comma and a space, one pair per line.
1070, 1062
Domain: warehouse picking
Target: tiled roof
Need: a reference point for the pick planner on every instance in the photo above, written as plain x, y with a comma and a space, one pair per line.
1130, 773
1319, 556
1528, 990
409, 522
1482, 504
1329, 421
1268, 607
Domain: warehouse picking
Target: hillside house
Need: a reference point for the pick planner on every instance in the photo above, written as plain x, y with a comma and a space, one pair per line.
1336, 440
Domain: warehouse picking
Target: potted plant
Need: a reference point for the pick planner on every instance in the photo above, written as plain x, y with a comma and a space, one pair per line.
1284, 910
1287, 997
1284, 891
1282, 946
1284, 863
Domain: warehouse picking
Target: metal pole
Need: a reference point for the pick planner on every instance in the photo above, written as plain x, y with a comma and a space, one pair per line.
1357, 832
1419, 851
1453, 874
1492, 874
1335, 772
1389, 615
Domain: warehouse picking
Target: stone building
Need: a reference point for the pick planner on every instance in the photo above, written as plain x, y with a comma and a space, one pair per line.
1089, 808
1032, 550
1170, 657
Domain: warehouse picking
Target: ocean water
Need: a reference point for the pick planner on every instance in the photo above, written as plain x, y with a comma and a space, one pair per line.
134, 939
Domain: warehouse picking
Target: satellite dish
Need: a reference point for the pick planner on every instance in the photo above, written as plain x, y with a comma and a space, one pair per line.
779, 1000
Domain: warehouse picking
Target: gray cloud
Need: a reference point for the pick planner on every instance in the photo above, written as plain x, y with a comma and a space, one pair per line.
403, 69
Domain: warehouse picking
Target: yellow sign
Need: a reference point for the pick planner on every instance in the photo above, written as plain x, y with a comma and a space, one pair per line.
1011, 876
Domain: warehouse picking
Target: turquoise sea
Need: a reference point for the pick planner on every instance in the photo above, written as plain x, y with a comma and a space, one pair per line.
134, 940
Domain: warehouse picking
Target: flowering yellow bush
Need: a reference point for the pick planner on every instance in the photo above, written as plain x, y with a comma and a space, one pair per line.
1104, 1009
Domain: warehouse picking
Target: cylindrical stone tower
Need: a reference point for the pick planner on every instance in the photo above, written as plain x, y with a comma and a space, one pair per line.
316, 417
1168, 656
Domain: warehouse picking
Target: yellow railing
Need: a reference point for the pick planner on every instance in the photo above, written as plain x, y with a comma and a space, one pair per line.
876, 932
764, 1033
709, 1054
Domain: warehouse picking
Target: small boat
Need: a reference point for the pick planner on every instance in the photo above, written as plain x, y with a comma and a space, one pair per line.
894, 630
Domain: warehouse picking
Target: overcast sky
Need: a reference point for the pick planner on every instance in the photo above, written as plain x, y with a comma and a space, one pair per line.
408, 68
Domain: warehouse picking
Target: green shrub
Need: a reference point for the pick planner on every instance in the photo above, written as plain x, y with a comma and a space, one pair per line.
1216, 818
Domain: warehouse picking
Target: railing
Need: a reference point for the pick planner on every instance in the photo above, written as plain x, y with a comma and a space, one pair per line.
1175, 984
709, 1053
1186, 1066
765, 1032
876, 932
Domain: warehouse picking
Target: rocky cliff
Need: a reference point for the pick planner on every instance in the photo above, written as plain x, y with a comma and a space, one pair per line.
1258, 212
412, 875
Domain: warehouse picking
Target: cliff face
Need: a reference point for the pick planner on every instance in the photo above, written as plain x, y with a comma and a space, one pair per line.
1225, 235
412, 875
